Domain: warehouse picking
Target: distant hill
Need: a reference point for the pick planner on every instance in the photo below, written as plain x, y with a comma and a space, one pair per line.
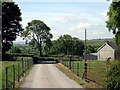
19, 42
98, 42
92, 42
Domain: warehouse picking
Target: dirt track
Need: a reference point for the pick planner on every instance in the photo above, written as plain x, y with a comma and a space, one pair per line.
47, 76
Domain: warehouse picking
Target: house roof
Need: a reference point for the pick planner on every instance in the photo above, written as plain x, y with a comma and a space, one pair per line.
111, 44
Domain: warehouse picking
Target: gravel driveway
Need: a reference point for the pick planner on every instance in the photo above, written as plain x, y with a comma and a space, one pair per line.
47, 76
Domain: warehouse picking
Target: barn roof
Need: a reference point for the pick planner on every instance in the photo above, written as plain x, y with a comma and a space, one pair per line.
111, 44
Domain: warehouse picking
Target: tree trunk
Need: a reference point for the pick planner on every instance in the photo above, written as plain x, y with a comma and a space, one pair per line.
40, 48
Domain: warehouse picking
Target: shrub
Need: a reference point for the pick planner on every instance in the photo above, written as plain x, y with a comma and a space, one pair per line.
14, 49
113, 77
8, 57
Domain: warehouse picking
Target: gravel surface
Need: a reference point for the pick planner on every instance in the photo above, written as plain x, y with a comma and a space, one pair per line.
47, 76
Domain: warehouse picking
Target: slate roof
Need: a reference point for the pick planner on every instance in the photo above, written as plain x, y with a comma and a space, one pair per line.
111, 44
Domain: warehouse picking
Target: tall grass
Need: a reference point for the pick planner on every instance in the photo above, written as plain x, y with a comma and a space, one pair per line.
96, 70
9, 65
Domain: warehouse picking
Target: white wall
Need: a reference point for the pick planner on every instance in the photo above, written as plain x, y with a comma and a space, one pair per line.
106, 52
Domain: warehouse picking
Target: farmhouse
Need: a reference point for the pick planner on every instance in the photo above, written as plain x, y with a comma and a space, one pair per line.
108, 50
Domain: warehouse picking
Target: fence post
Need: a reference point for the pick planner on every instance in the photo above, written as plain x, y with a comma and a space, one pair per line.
27, 64
70, 63
30, 64
77, 69
6, 71
85, 70
107, 64
73, 66
22, 67
13, 76
18, 71
66, 63
61, 60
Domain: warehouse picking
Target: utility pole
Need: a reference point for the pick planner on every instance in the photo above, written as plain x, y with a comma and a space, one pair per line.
85, 44
85, 62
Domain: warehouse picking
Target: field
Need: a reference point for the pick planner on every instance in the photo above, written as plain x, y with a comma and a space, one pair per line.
14, 73
98, 42
96, 70
9, 64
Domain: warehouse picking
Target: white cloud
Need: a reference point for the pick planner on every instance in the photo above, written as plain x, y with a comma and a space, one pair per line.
19, 39
67, 19
63, 21
82, 25
94, 31
104, 15
75, 31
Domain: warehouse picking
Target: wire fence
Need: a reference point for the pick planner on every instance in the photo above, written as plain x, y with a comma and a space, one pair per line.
93, 70
11, 75
75, 65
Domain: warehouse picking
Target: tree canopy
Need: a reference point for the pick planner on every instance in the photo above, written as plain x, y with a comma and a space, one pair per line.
90, 49
11, 27
113, 22
66, 45
37, 32
14, 49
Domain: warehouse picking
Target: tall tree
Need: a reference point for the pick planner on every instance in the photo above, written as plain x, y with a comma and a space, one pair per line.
67, 45
65, 42
78, 47
11, 27
37, 32
113, 23
90, 49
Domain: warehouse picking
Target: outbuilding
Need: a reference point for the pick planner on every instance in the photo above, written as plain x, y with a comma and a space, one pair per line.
108, 50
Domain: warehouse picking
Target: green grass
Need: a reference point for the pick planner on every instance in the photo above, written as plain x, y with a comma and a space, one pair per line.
98, 42
96, 70
10, 64
74, 64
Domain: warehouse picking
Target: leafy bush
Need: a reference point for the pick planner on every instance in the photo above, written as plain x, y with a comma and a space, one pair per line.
113, 77
8, 57
14, 49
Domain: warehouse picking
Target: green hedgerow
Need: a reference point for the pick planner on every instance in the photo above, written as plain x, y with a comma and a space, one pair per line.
113, 77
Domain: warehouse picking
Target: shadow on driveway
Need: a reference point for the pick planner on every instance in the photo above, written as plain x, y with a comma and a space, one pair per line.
48, 62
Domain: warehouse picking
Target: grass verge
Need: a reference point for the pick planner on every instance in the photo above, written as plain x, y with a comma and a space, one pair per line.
22, 79
80, 81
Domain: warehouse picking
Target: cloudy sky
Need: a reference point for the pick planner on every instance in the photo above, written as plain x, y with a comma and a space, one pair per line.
68, 17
